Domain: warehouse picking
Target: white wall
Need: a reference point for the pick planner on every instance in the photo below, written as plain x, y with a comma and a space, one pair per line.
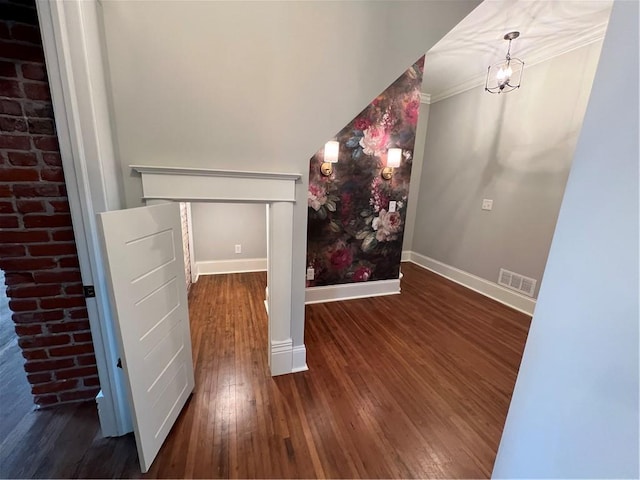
219, 227
255, 85
515, 149
574, 411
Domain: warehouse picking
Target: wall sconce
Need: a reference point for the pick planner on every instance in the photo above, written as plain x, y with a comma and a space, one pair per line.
505, 76
331, 151
394, 155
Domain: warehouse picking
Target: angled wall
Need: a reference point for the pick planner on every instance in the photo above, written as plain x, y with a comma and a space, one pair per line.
574, 411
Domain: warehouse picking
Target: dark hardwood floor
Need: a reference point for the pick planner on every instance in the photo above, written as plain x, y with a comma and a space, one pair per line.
410, 385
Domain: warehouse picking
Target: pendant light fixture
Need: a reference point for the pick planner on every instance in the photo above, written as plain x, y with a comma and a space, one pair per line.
505, 76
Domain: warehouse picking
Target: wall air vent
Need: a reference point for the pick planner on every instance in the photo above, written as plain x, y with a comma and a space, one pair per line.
517, 282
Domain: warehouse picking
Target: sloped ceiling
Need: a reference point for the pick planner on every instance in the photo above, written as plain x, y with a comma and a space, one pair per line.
547, 28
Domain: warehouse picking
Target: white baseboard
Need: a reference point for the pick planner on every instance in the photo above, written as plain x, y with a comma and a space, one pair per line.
216, 267
488, 289
350, 291
299, 359
406, 256
285, 358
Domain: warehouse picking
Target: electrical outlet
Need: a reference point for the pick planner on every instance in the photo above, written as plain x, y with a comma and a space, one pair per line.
392, 206
238, 248
487, 204
311, 273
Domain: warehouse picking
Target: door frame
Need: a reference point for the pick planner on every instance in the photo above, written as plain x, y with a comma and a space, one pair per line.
73, 48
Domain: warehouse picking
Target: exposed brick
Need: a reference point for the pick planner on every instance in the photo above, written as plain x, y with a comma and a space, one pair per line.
47, 144
75, 289
27, 263
52, 174
12, 250
78, 395
10, 88
76, 372
45, 221
62, 235
34, 71
32, 291
61, 302
7, 207
18, 175
15, 142
82, 337
38, 109
91, 382
8, 221
30, 206
78, 313
5, 191
52, 159
8, 69
42, 190
39, 354
86, 359
44, 341
69, 262
52, 249
31, 317
29, 330
22, 305
59, 205
44, 400
4, 30
26, 33
57, 386
16, 278
10, 107
40, 377
41, 126
18, 51
13, 124
23, 159
60, 277
71, 350
68, 326
24, 237
36, 91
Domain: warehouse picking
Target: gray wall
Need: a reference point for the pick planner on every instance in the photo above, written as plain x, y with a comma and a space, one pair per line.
218, 227
514, 148
255, 86
574, 411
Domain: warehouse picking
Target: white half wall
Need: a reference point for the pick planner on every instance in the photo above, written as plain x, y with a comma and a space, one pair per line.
574, 410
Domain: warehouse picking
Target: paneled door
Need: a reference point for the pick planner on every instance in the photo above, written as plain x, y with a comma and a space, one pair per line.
145, 265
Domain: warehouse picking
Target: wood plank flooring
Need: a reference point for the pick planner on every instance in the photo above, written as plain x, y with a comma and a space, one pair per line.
410, 385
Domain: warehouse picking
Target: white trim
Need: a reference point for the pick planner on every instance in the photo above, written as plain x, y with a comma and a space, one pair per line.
217, 267
425, 98
73, 54
478, 81
177, 184
350, 291
488, 289
299, 359
406, 256
192, 254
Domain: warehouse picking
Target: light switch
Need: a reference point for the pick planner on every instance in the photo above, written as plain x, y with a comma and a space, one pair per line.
238, 248
311, 274
487, 204
392, 206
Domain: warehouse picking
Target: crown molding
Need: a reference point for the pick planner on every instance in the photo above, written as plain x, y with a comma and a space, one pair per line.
535, 58
425, 98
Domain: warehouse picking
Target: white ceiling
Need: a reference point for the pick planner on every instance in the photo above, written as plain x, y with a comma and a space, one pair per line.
547, 28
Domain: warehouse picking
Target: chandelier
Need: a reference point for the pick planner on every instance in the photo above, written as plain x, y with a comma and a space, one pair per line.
505, 76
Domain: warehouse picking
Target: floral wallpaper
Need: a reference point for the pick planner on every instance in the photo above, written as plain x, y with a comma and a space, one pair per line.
352, 234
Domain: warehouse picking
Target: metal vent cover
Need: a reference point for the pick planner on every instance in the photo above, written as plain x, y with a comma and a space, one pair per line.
517, 282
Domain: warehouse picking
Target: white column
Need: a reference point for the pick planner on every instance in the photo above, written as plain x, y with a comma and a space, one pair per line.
279, 278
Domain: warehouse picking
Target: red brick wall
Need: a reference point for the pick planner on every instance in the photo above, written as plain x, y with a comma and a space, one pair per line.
37, 247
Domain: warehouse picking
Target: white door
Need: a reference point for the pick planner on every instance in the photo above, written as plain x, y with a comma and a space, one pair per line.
145, 264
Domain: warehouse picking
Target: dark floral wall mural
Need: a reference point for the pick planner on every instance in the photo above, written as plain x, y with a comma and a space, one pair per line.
354, 233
